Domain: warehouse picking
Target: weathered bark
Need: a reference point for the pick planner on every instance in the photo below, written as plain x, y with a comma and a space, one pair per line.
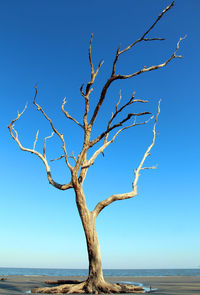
88, 221
95, 282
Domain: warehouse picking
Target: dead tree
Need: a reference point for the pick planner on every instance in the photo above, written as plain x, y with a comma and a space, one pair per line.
95, 282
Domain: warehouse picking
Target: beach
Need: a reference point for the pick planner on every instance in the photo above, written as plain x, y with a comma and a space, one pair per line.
15, 285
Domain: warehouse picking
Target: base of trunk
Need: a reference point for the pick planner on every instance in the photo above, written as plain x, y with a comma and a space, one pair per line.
90, 287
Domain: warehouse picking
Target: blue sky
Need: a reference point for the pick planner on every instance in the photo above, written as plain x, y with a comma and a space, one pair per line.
46, 42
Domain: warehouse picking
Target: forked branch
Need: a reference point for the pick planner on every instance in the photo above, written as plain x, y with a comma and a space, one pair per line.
152, 68
102, 204
151, 27
147, 153
142, 38
68, 115
127, 118
39, 108
107, 143
115, 77
44, 147
15, 136
89, 85
124, 120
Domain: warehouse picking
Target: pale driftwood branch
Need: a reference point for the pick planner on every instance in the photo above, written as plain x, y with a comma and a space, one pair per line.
107, 143
39, 108
120, 98
44, 147
33, 151
68, 115
73, 157
102, 204
36, 138
147, 153
153, 39
90, 162
99, 66
147, 168
145, 69
132, 125
52, 160
63, 156
141, 100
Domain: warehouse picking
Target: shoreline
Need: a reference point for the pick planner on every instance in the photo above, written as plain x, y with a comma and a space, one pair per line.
168, 285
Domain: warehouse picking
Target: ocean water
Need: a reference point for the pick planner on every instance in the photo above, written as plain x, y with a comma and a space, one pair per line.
107, 272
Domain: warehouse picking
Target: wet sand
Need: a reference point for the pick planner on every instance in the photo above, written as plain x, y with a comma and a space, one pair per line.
15, 285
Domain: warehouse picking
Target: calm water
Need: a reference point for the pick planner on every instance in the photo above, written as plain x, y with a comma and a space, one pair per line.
107, 272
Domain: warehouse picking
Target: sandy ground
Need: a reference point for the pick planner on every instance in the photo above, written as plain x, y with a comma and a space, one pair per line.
15, 285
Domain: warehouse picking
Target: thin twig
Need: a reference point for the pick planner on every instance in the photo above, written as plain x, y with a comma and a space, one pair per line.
68, 115
39, 108
44, 147
36, 138
33, 151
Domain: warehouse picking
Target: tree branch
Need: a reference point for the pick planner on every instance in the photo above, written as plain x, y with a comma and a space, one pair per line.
89, 84
117, 111
154, 67
152, 26
36, 138
153, 39
114, 77
90, 56
44, 148
33, 151
63, 156
128, 117
87, 129
102, 97
147, 153
107, 143
39, 108
102, 204
67, 114
52, 160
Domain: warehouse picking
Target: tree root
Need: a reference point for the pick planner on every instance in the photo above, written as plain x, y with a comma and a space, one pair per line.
88, 287
60, 282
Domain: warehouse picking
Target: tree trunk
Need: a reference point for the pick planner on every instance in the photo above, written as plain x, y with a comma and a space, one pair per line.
88, 219
94, 254
95, 283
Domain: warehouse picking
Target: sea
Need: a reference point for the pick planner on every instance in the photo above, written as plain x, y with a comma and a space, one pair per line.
4, 271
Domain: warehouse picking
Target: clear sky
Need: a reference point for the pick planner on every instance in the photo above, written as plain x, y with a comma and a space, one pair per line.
46, 42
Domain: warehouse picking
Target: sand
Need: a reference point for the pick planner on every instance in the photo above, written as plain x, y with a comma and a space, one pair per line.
15, 285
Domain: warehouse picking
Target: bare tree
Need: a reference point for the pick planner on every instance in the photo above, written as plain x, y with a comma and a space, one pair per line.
95, 282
